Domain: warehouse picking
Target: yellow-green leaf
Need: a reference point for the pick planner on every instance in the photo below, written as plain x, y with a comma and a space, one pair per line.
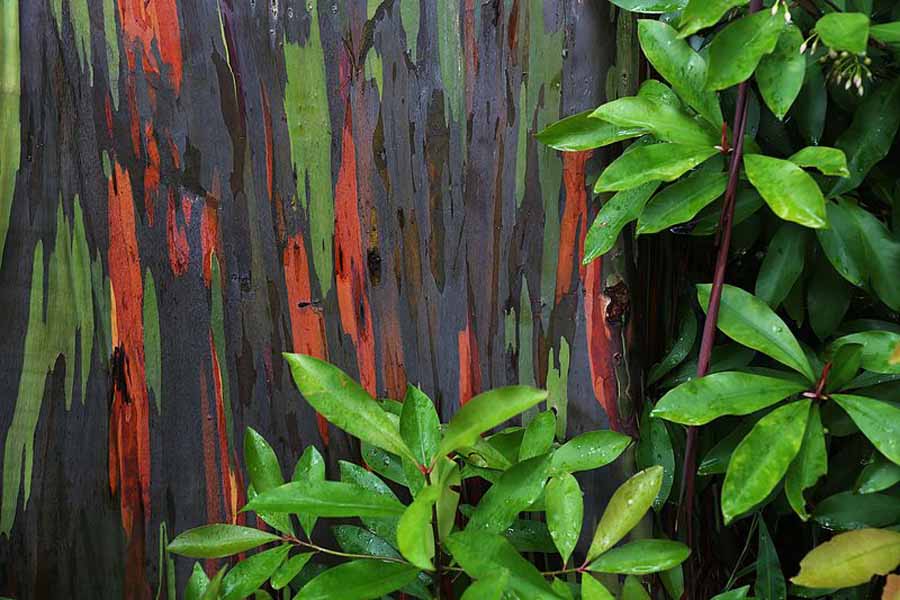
738, 48
790, 192
655, 162
810, 464
625, 509
850, 559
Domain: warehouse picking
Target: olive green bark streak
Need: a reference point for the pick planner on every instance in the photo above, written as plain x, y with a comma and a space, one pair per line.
10, 88
409, 16
111, 34
81, 23
373, 66
217, 324
558, 387
52, 332
152, 352
450, 56
100, 286
309, 125
526, 346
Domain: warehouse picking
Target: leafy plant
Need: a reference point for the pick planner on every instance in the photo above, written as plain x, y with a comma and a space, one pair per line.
773, 129
408, 531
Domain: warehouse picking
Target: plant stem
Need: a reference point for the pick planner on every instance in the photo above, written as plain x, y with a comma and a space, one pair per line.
715, 297
315, 547
438, 569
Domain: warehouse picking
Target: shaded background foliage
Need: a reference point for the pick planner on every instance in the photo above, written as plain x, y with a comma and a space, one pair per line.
204, 184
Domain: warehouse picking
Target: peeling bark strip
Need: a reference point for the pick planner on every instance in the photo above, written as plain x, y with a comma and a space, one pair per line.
190, 188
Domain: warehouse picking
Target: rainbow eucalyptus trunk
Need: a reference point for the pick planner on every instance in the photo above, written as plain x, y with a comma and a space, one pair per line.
190, 188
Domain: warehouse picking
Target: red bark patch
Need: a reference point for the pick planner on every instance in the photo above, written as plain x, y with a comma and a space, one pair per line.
573, 227
151, 172
176, 238
600, 343
267, 125
469, 365
210, 240
146, 23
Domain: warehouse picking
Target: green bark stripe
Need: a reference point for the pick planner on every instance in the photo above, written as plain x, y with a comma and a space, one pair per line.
217, 323
10, 88
152, 352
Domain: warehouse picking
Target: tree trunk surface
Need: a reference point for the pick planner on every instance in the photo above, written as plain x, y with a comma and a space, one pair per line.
189, 188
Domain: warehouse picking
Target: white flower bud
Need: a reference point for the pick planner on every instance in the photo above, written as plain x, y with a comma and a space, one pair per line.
802, 47
832, 54
848, 84
860, 91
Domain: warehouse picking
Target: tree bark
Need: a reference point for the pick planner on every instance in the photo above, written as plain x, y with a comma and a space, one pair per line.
190, 188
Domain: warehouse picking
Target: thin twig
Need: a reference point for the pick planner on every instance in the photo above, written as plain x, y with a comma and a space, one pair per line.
315, 547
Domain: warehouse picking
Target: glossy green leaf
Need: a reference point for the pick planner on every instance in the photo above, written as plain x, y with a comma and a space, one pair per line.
846, 361
830, 161
844, 31
617, 212
715, 462
782, 265
385, 527
762, 458
879, 421
846, 510
516, 489
700, 14
701, 400
627, 506
656, 162
780, 74
748, 321
289, 569
565, 510
528, 535
681, 346
737, 594
420, 426
641, 557
870, 135
247, 575
788, 190
808, 466
415, 536
682, 200
862, 250
213, 589
326, 499
746, 204
484, 555
265, 473
663, 120
583, 132
345, 403
830, 293
650, 6
633, 589
683, 68
886, 33
361, 579
673, 581
217, 541
850, 559
738, 48
358, 540
489, 588
591, 589
770, 584
486, 411
589, 451
655, 448
811, 104
196, 584
877, 476
539, 435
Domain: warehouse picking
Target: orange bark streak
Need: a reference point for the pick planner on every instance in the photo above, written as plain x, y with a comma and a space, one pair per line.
176, 237
600, 343
149, 23
574, 220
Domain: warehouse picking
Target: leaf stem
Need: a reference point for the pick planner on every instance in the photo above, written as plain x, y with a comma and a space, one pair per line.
315, 547
438, 568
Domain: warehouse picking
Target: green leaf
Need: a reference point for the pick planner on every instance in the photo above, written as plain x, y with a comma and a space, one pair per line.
289, 569
830, 161
415, 537
846, 361
489, 588
810, 464
361, 579
357, 540
700, 14
650, 6
641, 557
486, 411
420, 426
780, 74
212, 590
656, 162
850, 559
217, 541
582, 132
326, 499
738, 48
589, 451
673, 582
483, 555
812, 104
782, 265
770, 583
683, 68
265, 473
625, 509
539, 434
345, 403
247, 575
310, 467
565, 510
748, 321
702, 400
844, 31
763, 457
715, 462
197, 583
746, 204
617, 212
655, 448
591, 589
788, 190
663, 120
877, 476
870, 135
879, 421
528, 535
385, 527
830, 293
862, 250
847, 510
682, 200
633, 589
516, 489
738, 594
886, 33
681, 347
